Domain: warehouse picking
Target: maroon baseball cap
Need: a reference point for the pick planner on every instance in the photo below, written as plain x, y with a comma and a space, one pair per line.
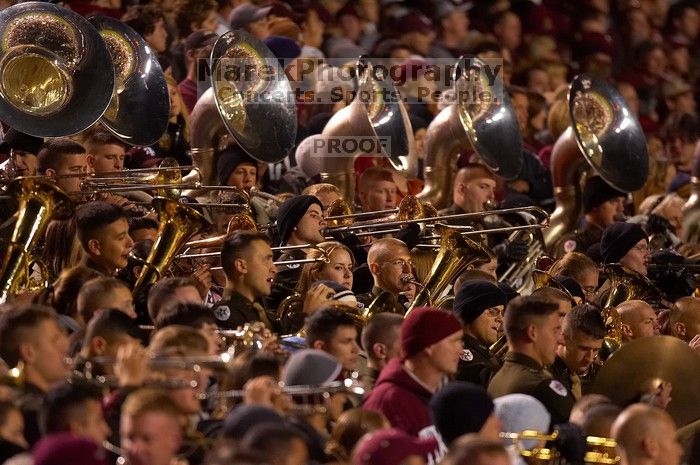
391, 447
415, 22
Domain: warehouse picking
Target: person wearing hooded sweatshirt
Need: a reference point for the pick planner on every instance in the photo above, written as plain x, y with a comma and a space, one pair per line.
431, 343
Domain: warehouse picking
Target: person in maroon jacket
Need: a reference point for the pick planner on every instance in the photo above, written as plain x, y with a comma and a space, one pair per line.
431, 343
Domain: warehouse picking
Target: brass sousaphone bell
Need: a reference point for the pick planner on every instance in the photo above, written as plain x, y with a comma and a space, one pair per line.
481, 116
56, 75
250, 99
376, 114
604, 132
139, 109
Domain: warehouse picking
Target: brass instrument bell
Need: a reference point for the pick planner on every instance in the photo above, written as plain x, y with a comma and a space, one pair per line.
139, 110
38, 202
56, 75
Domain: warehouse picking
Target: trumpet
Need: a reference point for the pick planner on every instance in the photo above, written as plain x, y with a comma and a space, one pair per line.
348, 386
598, 450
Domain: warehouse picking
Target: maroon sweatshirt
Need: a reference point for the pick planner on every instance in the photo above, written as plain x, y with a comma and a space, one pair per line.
401, 399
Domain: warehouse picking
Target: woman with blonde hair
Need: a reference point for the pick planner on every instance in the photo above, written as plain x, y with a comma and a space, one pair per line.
339, 268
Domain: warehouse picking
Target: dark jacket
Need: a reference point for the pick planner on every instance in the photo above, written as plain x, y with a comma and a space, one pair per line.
236, 310
579, 240
524, 375
31, 402
476, 364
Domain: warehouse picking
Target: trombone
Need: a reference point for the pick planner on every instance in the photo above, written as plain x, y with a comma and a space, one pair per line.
476, 215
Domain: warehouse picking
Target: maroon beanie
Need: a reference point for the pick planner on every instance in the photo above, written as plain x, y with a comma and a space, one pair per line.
68, 449
426, 326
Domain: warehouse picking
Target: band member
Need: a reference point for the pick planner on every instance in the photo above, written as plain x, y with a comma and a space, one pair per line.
152, 428
583, 330
473, 190
104, 335
389, 261
299, 222
61, 157
32, 341
462, 408
332, 330
602, 206
246, 257
143, 228
638, 320
533, 328
646, 434
106, 153
23, 150
234, 167
192, 315
326, 193
377, 190
431, 344
684, 321
561, 297
103, 231
582, 269
103, 293
381, 341
626, 244
75, 408
339, 267
171, 291
480, 305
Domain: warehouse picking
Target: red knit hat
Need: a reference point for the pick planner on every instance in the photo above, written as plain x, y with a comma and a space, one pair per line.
426, 326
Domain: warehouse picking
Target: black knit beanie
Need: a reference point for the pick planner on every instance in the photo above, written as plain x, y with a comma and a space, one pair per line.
460, 408
475, 296
291, 212
618, 239
596, 191
228, 161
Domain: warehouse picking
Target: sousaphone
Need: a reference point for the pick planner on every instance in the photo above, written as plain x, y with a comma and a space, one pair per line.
139, 109
604, 136
482, 116
56, 75
250, 99
377, 117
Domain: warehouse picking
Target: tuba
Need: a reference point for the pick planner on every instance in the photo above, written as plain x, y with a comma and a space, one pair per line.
457, 253
178, 222
605, 134
139, 84
56, 75
38, 201
489, 125
626, 284
376, 113
249, 99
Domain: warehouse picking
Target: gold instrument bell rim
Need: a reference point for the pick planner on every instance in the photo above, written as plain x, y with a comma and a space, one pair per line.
26, 56
81, 52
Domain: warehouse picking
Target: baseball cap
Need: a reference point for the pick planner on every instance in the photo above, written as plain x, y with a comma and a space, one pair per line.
247, 13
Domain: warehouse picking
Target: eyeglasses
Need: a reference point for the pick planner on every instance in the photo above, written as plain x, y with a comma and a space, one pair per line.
495, 311
641, 248
401, 264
